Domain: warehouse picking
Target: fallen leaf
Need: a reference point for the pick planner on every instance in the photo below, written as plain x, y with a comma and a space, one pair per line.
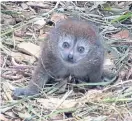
24, 115
37, 4
58, 117
39, 23
29, 48
91, 118
10, 114
51, 103
24, 6
124, 34
23, 57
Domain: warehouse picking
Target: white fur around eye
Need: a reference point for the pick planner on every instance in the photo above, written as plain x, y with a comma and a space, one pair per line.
66, 38
83, 43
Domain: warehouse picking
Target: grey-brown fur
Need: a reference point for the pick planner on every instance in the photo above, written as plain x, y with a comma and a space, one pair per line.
51, 65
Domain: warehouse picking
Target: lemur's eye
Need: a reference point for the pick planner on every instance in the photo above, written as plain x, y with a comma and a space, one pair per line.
66, 45
81, 49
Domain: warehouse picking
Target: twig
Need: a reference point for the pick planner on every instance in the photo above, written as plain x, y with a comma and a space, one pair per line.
52, 10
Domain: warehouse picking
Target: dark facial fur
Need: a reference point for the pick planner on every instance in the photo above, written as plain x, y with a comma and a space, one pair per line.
72, 48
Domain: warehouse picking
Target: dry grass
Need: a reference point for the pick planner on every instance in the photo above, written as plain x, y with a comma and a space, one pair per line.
110, 103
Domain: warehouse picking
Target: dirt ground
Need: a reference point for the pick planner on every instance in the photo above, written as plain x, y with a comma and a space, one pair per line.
25, 25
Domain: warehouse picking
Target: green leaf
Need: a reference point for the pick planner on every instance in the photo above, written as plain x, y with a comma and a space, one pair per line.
122, 17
